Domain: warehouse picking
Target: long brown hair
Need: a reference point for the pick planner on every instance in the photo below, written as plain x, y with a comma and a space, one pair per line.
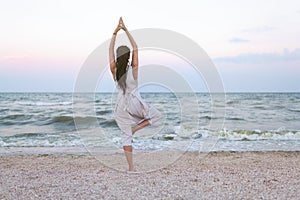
123, 53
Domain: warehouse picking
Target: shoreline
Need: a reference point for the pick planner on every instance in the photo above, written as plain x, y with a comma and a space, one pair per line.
217, 175
14, 151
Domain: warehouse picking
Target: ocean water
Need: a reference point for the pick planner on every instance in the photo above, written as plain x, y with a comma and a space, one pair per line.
251, 122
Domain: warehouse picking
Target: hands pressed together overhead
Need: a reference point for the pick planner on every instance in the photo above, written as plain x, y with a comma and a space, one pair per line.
120, 26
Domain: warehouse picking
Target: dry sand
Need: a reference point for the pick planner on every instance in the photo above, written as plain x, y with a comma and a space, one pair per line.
222, 175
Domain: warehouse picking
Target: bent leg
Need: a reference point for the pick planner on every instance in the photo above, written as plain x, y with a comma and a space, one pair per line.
141, 125
128, 154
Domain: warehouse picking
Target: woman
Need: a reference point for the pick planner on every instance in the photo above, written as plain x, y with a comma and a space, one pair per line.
131, 112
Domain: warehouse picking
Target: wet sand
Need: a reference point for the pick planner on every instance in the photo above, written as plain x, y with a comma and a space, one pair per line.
162, 175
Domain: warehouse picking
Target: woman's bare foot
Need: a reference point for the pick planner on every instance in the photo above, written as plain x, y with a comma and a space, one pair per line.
130, 169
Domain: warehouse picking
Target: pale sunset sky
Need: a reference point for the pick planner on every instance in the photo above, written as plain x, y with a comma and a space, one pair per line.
255, 45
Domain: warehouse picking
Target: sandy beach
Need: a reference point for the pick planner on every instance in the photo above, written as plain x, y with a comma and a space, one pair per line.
221, 175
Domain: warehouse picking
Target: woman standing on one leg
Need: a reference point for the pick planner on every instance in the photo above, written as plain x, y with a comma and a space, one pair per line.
131, 112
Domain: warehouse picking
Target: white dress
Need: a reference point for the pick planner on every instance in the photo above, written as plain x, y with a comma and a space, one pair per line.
130, 108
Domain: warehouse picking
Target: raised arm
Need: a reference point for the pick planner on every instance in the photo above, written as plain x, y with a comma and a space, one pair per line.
134, 49
112, 61
135, 61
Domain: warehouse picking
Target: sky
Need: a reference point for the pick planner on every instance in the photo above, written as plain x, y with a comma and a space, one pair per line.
255, 45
